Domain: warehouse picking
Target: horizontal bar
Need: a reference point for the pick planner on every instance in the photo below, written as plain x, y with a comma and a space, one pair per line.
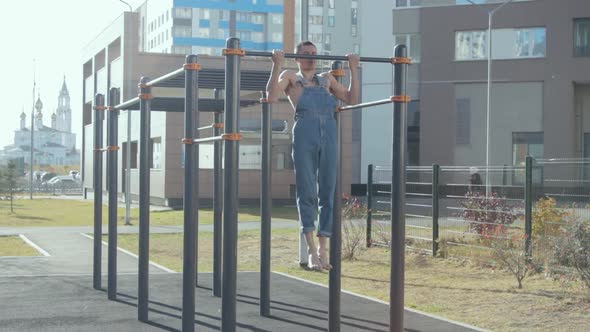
419, 205
483, 197
565, 180
208, 139
367, 104
418, 238
417, 194
127, 104
477, 235
467, 245
481, 210
417, 216
166, 77
319, 57
566, 195
419, 227
469, 221
205, 127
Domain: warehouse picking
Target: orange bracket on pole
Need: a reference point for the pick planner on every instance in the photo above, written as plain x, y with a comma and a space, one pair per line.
233, 51
231, 137
263, 101
396, 60
112, 148
217, 125
191, 66
187, 141
145, 96
401, 99
100, 108
337, 72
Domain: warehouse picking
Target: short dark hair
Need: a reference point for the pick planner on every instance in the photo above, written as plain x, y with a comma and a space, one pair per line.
304, 43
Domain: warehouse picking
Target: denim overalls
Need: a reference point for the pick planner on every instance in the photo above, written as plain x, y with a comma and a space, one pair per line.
314, 155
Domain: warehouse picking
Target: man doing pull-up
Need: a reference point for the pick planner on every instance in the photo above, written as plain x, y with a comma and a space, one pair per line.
314, 100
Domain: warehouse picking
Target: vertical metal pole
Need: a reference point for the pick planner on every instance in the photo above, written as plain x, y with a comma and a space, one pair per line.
528, 204
488, 104
230, 194
265, 206
435, 201
191, 192
97, 170
398, 194
128, 173
304, 9
144, 198
335, 240
217, 204
112, 161
369, 204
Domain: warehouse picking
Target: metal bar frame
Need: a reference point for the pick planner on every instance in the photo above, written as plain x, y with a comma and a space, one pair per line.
144, 200
217, 204
112, 176
369, 205
367, 104
528, 206
230, 194
97, 184
191, 195
265, 206
319, 57
398, 189
435, 208
335, 240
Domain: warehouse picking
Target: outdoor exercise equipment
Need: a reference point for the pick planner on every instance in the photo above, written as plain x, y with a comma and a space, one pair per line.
235, 80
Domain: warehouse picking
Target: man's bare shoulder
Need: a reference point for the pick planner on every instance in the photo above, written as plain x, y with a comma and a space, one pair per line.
288, 73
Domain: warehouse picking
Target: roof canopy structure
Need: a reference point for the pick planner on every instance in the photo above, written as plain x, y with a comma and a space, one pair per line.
208, 79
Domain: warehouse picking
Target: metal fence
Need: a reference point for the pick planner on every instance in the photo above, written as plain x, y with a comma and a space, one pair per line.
454, 210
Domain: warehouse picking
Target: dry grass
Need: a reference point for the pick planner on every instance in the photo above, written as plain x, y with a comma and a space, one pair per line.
15, 246
457, 290
67, 212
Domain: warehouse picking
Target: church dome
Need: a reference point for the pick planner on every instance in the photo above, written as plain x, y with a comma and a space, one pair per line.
39, 104
23, 115
53, 116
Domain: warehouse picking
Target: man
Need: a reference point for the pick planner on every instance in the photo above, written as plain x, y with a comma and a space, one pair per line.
313, 97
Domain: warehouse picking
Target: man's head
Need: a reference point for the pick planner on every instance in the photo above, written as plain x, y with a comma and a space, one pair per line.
306, 47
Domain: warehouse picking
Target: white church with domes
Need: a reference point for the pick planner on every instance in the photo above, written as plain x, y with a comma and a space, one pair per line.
54, 144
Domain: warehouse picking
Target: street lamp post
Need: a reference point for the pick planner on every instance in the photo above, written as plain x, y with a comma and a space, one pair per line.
490, 14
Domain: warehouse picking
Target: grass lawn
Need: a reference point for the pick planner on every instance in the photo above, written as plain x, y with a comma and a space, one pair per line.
15, 246
464, 292
62, 212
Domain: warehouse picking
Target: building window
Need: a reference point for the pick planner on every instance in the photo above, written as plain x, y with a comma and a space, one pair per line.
356, 49
243, 17
526, 144
224, 15
205, 14
331, 20
354, 16
257, 37
316, 38
413, 44
167, 15
316, 3
463, 121
436, 3
203, 33
277, 37
506, 44
331, 4
181, 49
245, 35
182, 31
328, 42
277, 18
257, 18
582, 37
353, 31
156, 155
180, 12
316, 19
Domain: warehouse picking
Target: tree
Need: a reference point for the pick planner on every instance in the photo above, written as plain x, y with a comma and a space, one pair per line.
8, 179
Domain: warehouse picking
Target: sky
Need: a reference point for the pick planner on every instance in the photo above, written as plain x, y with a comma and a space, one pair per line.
51, 34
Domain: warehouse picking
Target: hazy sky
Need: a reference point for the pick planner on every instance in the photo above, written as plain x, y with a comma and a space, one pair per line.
53, 33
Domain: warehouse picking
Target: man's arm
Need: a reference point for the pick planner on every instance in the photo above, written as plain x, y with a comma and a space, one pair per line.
278, 82
351, 95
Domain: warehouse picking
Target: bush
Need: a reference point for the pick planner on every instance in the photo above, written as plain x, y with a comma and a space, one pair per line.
572, 248
487, 215
353, 227
547, 218
509, 251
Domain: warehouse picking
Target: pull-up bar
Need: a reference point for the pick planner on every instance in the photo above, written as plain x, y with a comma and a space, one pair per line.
392, 60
